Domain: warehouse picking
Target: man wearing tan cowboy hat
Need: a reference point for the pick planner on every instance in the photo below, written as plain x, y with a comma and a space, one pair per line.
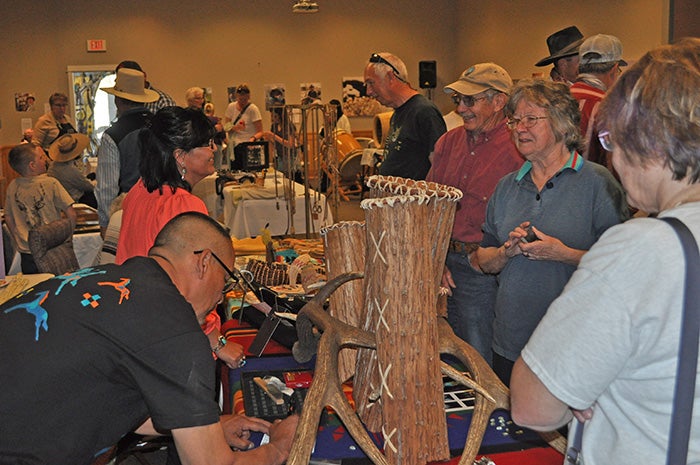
473, 158
118, 155
63, 151
164, 100
563, 52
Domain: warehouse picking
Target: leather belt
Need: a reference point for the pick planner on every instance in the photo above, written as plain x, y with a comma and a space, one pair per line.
464, 248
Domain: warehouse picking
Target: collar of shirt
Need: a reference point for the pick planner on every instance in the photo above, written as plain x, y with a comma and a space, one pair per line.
592, 81
575, 162
484, 136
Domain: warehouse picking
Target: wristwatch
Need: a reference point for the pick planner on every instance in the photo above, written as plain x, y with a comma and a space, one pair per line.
222, 342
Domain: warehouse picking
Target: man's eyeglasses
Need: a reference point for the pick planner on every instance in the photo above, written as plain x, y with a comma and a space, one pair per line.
377, 58
231, 281
210, 143
527, 121
467, 100
605, 141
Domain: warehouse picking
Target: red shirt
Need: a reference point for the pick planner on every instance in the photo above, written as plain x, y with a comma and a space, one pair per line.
145, 214
589, 98
474, 167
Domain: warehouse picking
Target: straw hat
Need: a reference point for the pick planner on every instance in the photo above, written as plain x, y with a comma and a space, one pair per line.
68, 147
130, 85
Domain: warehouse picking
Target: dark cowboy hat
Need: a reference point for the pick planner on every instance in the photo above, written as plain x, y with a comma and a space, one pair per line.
562, 44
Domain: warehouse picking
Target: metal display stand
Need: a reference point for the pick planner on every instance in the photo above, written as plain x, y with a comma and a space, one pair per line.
318, 157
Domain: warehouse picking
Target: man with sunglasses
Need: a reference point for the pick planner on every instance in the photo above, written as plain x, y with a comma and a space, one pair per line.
473, 158
107, 350
416, 123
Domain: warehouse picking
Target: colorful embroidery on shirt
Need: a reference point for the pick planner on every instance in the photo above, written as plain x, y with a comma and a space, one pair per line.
91, 300
73, 278
34, 308
121, 286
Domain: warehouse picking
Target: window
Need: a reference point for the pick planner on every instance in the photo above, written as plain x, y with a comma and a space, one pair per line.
93, 110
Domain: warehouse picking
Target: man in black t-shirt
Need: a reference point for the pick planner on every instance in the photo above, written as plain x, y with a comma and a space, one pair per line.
415, 125
90, 356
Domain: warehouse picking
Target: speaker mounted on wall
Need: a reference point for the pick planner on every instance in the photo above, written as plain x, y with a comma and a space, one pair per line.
427, 74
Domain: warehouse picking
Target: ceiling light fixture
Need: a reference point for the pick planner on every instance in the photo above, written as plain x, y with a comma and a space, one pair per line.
305, 6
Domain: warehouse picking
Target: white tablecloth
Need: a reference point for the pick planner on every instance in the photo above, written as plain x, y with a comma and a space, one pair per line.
85, 245
248, 209
206, 190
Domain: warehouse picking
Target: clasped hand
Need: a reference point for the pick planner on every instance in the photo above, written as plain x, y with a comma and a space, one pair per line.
544, 248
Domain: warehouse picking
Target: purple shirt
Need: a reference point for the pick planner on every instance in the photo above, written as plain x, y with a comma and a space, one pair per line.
474, 167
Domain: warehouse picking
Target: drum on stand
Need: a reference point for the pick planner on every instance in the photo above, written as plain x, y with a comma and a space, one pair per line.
349, 173
346, 144
382, 122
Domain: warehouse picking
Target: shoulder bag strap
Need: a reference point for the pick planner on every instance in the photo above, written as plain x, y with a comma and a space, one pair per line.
684, 394
240, 114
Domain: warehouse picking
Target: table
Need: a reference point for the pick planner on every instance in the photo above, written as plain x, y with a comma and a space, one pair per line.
20, 282
504, 442
86, 246
249, 208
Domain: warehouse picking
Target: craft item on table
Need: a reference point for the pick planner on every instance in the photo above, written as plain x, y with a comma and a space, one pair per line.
298, 379
249, 246
268, 274
274, 383
271, 390
286, 255
266, 234
295, 267
313, 247
269, 245
310, 278
285, 290
307, 271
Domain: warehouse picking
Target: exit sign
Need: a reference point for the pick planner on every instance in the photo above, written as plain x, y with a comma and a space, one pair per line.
96, 45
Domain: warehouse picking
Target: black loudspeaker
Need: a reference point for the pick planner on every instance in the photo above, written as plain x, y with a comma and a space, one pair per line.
427, 74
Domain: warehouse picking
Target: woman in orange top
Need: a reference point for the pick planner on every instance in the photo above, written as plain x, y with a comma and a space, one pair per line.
177, 151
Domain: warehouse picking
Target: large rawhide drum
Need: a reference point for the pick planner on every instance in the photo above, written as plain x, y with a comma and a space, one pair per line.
346, 144
381, 127
350, 168
402, 276
344, 243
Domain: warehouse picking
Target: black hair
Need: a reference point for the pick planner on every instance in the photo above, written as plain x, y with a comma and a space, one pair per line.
171, 128
338, 107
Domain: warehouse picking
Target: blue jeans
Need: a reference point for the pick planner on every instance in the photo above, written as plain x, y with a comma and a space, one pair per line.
470, 309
